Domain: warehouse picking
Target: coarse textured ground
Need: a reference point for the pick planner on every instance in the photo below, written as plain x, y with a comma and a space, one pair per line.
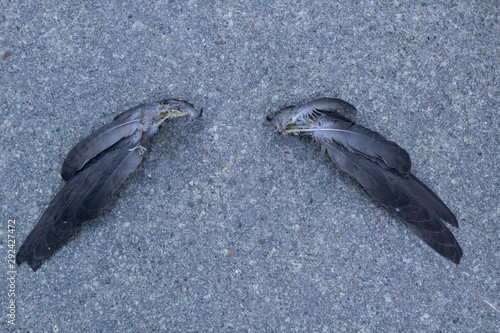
228, 226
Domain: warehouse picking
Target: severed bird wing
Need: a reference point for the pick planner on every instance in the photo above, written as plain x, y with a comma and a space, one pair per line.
83, 197
421, 210
380, 166
95, 168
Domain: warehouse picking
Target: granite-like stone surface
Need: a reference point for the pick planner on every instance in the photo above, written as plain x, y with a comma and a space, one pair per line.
228, 226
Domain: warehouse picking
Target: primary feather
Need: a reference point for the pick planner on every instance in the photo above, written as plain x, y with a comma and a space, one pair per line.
95, 168
381, 167
82, 198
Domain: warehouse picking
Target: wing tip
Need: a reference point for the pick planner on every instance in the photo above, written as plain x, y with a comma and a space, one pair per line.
452, 252
23, 256
458, 254
452, 220
456, 257
66, 174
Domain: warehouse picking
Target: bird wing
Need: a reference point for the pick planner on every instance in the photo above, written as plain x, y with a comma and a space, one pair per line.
83, 197
95, 168
379, 165
421, 210
98, 141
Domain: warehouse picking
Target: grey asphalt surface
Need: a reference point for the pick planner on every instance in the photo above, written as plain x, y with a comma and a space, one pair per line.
228, 226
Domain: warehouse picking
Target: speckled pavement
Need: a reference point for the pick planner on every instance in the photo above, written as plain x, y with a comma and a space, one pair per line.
228, 226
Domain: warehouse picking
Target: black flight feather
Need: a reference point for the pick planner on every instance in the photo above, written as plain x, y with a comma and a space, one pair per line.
97, 142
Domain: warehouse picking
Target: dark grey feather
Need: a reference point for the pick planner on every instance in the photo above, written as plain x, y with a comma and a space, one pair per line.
360, 140
95, 143
407, 197
82, 198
